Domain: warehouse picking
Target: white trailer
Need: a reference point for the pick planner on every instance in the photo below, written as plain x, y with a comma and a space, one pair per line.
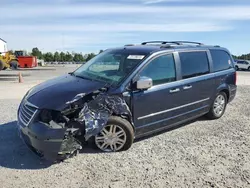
3, 46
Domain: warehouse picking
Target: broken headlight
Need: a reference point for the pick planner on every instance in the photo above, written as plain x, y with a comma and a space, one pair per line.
47, 116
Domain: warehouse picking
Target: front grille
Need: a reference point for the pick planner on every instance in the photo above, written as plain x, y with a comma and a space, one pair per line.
27, 112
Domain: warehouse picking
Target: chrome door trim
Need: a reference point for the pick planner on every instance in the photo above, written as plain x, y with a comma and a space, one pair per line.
171, 109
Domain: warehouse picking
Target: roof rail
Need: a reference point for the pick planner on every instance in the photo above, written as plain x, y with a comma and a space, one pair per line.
188, 42
129, 45
161, 42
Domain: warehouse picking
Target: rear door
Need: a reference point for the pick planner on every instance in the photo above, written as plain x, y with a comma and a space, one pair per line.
197, 82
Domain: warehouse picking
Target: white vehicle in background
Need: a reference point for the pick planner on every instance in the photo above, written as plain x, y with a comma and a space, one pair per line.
242, 64
40, 62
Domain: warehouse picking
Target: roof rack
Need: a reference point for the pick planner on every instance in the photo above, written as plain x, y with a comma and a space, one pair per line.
189, 42
161, 42
129, 45
172, 42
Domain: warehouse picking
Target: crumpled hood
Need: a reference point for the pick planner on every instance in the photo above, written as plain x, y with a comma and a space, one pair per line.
54, 93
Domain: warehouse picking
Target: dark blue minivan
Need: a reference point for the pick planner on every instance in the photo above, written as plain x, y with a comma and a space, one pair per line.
125, 93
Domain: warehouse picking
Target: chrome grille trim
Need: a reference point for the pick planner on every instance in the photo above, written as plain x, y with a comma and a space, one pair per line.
27, 112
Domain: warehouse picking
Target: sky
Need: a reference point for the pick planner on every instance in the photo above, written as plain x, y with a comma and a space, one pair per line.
91, 25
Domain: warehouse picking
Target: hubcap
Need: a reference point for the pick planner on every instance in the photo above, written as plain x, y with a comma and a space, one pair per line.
219, 105
111, 138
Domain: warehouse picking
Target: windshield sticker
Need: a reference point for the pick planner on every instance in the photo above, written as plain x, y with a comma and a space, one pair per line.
135, 57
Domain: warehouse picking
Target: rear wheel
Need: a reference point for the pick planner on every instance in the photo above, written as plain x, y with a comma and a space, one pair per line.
14, 64
117, 135
218, 107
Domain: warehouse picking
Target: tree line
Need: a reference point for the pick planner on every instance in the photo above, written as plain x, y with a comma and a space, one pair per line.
79, 57
62, 56
243, 56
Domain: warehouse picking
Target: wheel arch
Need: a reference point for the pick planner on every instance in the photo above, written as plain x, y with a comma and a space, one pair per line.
224, 88
126, 117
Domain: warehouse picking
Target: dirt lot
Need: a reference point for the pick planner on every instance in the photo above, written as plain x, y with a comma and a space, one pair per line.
198, 154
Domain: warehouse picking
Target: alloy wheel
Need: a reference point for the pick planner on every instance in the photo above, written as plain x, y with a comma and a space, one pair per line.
111, 138
219, 105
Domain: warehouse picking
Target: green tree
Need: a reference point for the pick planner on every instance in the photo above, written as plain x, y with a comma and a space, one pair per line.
100, 51
48, 57
62, 56
90, 56
56, 56
36, 52
68, 57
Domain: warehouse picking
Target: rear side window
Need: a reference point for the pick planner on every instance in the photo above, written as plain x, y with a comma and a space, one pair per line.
194, 64
161, 70
221, 60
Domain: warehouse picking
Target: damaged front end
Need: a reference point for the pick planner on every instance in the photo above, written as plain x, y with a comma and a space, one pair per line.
60, 135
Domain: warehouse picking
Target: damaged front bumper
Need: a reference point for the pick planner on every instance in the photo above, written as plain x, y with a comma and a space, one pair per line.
58, 135
51, 144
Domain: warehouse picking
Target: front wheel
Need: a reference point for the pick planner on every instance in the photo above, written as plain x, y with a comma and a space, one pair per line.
117, 135
218, 107
248, 69
14, 64
236, 67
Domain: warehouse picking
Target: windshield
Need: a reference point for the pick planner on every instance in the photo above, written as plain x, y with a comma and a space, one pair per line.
110, 67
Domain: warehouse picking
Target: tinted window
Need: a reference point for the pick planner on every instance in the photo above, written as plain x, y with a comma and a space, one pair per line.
221, 59
161, 70
194, 64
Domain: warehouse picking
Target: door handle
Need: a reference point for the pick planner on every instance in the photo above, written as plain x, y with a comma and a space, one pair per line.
174, 90
187, 87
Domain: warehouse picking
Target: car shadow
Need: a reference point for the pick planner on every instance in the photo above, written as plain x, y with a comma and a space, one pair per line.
14, 154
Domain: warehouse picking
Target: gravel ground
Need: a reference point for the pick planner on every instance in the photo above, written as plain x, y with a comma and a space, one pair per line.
199, 154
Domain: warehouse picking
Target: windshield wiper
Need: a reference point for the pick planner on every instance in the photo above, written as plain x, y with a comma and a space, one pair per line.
83, 77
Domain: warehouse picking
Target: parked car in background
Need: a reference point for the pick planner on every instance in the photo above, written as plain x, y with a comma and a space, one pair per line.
41, 62
242, 65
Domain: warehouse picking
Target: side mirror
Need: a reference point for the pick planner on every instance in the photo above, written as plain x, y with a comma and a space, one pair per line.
144, 83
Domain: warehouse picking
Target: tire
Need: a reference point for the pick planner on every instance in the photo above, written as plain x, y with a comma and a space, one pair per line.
216, 113
112, 145
236, 67
248, 69
1, 65
14, 64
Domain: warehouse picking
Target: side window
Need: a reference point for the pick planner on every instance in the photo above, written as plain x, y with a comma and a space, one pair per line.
194, 64
221, 60
161, 70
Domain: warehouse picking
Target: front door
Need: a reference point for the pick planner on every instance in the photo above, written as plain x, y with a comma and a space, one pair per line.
159, 105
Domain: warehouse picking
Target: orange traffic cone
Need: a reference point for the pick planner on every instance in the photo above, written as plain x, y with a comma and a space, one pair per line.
20, 78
